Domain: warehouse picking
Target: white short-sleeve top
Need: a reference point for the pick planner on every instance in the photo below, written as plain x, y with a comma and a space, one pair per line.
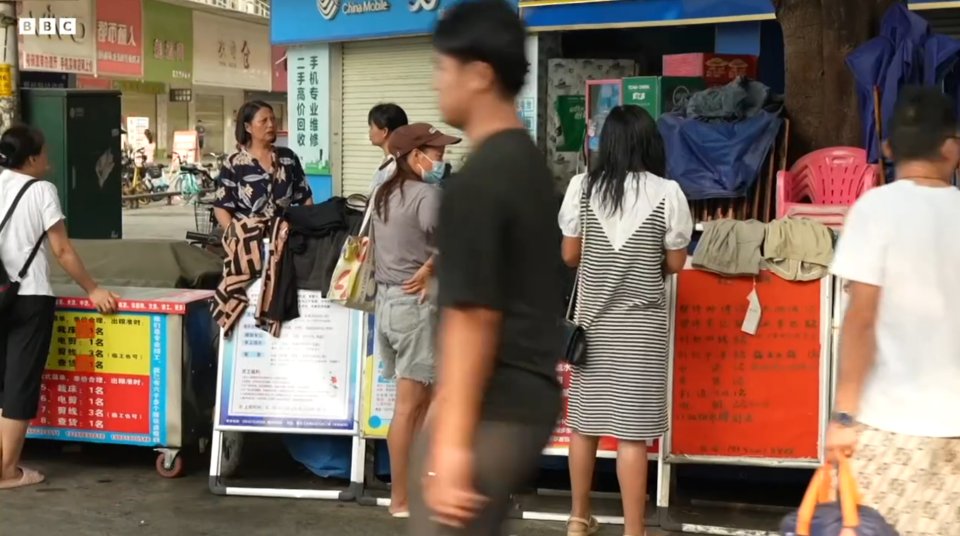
643, 192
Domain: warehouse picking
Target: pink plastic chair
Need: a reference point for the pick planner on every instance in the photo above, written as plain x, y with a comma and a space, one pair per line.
824, 184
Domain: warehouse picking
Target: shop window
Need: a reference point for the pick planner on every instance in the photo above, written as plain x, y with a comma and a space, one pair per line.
139, 105
209, 111
178, 118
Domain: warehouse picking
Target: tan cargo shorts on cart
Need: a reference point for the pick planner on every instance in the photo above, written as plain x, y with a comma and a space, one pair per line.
914, 482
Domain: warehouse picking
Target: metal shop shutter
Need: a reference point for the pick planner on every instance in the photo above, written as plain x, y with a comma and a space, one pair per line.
943, 21
388, 70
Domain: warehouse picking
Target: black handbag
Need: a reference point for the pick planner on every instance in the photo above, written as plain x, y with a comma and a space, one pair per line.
9, 289
575, 351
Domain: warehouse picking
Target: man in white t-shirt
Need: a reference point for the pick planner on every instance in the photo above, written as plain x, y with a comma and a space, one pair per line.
897, 406
383, 119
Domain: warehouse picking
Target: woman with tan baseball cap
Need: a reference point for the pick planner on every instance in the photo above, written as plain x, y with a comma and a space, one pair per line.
405, 209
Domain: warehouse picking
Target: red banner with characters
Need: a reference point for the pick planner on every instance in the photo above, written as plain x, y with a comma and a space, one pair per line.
119, 35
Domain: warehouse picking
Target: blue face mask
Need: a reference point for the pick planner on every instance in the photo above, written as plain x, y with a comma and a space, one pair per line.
435, 174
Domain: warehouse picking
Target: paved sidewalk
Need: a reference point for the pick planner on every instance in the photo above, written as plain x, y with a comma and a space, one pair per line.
110, 491
158, 221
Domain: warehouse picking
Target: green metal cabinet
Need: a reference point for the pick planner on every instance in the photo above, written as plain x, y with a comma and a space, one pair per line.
82, 129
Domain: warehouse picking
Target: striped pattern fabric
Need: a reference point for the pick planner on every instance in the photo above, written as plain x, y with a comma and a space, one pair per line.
913, 481
243, 243
621, 390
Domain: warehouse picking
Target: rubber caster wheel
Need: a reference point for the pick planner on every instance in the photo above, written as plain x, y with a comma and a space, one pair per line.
175, 470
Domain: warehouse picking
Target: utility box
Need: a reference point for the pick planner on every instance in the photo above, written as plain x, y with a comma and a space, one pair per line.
660, 94
82, 130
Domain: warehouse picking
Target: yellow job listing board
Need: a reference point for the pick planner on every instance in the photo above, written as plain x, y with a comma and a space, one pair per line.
379, 392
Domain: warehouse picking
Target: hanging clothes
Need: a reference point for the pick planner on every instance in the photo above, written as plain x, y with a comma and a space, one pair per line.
798, 249
730, 247
317, 234
243, 243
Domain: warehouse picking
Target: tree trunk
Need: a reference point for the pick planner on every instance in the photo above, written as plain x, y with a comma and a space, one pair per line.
821, 98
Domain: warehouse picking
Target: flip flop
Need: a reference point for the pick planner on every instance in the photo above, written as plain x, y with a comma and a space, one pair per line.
400, 515
28, 477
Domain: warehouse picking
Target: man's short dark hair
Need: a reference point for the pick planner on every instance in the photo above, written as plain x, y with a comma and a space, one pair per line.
387, 115
923, 119
488, 31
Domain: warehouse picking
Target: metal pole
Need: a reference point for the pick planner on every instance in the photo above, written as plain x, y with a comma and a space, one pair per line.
9, 61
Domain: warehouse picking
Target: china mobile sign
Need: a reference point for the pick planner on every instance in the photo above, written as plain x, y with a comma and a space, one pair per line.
60, 26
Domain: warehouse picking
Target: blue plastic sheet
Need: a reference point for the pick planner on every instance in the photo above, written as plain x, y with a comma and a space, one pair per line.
905, 53
717, 160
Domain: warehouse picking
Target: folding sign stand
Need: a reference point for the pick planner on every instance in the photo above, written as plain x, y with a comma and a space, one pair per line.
307, 381
773, 402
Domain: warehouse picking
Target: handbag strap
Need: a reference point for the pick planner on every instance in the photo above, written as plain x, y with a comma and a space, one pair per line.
6, 220
16, 201
371, 206
819, 492
581, 218
33, 255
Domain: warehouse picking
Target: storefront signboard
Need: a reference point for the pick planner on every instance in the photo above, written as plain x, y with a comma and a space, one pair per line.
119, 34
543, 14
308, 103
230, 53
59, 53
105, 379
39, 80
168, 42
304, 21
278, 59
304, 380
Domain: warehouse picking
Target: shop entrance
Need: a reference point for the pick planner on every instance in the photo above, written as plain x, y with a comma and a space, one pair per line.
374, 72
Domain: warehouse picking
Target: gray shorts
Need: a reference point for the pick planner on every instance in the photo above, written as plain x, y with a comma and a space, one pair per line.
406, 331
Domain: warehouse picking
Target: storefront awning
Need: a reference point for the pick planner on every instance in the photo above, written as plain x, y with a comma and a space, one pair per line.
541, 15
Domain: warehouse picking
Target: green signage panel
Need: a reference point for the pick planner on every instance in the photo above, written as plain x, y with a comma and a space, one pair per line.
660, 94
167, 43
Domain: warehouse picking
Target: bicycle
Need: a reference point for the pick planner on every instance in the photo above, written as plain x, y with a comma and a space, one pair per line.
133, 181
186, 178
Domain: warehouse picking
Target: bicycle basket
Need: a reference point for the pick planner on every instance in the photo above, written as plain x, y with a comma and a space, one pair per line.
203, 217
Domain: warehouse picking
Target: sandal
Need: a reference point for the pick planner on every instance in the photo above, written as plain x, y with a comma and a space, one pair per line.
577, 526
28, 477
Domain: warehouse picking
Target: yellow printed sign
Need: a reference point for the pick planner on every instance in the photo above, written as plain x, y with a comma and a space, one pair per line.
6, 80
90, 342
379, 396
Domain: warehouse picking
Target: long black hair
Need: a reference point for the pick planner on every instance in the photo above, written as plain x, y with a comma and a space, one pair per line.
404, 173
629, 143
245, 115
19, 144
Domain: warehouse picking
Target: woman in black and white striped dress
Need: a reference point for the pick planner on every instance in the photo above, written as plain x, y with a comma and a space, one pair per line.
626, 227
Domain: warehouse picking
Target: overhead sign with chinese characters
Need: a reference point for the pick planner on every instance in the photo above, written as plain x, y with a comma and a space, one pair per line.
120, 38
308, 103
168, 43
75, 53
305, 21
231, 53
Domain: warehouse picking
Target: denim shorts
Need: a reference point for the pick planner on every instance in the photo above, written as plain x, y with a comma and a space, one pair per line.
406, 332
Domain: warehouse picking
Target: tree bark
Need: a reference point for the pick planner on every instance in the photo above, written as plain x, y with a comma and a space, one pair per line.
821, 98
